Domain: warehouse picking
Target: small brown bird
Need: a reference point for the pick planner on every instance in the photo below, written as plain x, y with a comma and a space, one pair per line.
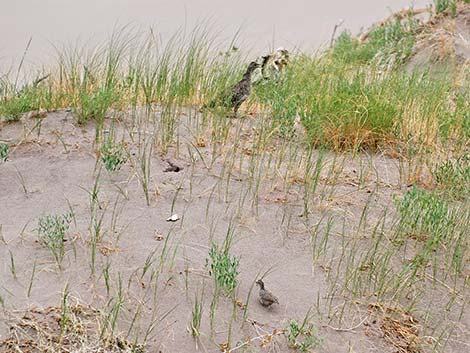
266, 298
234, 96
241, 91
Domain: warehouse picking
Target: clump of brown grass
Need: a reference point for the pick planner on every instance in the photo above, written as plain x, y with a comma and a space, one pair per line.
53, 330
399, 328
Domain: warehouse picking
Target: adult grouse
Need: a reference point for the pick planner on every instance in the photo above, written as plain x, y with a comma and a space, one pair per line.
241, 91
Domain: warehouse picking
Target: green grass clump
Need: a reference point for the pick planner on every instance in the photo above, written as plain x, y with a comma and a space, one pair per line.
358, 95
51, 233
223, 268
94, 105
392, 40
134, 69
4, 147
424, 215
303, 337
443, 5
113, 154
13, 108
453, 177
346, 107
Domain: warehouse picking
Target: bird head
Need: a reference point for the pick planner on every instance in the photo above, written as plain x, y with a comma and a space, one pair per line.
260, 283
252, 67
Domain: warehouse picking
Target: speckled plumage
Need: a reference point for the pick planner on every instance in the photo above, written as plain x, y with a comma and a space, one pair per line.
266, 298
241, 91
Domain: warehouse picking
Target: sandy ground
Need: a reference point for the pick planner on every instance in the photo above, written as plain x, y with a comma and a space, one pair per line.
45, 174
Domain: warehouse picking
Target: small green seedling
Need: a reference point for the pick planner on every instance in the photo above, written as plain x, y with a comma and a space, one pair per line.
303, 337
51, 233
113, 155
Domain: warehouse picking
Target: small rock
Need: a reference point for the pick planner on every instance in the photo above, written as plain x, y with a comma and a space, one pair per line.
173, 167
173, 218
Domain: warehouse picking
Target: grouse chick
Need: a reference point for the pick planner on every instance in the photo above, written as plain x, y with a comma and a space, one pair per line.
266, 298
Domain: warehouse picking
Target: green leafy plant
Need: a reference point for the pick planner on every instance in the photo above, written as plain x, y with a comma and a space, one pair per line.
51, 233
223, 268
4, 151
304, 336
113, 155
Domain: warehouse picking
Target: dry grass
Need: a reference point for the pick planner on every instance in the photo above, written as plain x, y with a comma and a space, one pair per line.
53, 330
